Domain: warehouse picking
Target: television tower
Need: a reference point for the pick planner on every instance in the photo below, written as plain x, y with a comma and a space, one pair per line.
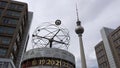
79, 30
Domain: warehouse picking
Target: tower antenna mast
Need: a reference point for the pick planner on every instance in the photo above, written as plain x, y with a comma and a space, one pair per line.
77, 12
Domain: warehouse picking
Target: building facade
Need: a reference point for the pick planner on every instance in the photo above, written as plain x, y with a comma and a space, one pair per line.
14, 27
101, 55
111, 43
114, 39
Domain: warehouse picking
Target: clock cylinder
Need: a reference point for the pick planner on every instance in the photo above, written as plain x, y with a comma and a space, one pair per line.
48, 58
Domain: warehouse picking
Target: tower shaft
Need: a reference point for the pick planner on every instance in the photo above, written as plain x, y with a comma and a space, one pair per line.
83, 60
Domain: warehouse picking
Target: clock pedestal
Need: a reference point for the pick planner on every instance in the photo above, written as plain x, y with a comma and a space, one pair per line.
48, 58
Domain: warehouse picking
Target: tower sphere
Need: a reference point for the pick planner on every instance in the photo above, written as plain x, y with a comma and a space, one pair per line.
79, 29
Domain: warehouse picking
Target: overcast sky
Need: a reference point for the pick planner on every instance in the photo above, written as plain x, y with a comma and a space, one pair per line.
94, 14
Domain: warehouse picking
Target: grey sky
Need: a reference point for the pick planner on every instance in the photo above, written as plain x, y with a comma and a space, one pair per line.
94, 14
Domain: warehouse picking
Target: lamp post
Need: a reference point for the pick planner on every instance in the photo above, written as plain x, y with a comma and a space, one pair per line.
79, 30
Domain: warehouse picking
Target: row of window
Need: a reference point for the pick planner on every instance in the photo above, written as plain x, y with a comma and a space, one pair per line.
117, 42
101, 54
16, 6
3, 52
3, 4
13, 13
5, 40
99, 48
104, 65
9, 21
6, 30
10, 12
102, 60
116, 35
6, 20
12, 6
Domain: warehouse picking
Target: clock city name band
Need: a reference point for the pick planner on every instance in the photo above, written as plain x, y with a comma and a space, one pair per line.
47, 62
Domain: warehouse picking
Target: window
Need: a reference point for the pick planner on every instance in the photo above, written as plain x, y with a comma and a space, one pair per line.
3, 4
18, 37
1, 64
20, 7
12, 6
3, 52
15, 47
115, 36
21, 30
10, 30
1, 10
5, 64
5, 40
6, 30
1, 30
119, 32
9, 21
117, 43
12, 56
15, 6
13, 13
23, 21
